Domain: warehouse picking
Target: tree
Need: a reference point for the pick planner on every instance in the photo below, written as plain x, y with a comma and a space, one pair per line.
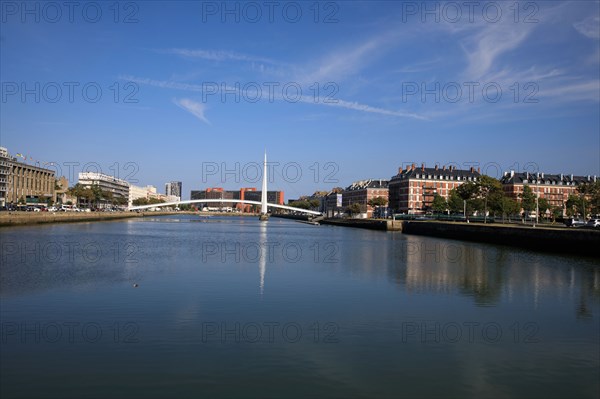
455, 203
543, 206
96, 194
439, 204
573, 205
589, 193
300, 204
314, 203
354, 208
76, 191
556, 212
507, 206
487, 186
466, 192
527, 199
377, 201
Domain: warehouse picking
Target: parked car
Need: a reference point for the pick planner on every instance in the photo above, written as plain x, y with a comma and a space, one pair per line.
52, 209
572, 222
593, 223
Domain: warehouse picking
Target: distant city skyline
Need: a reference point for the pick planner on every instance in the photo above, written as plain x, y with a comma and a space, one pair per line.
340, 92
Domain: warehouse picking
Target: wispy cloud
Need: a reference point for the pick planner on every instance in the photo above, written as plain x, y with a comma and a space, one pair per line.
216, 55
194, 108
589, 27
493, 40
198, 109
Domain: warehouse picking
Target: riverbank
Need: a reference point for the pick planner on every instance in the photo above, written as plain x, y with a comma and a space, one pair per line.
578, 241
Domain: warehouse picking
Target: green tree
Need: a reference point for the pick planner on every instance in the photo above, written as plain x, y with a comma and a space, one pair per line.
303, 204
455, 202
556, 213
486, 187
76, 191
467, 191
506, 206
439, 204
96, 194
354, 208
573, 205
543, 206
527, 199
377, 201
589, 197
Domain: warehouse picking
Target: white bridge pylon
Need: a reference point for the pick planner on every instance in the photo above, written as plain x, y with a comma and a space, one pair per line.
221, 200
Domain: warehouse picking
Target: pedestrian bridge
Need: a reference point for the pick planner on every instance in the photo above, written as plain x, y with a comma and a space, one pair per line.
223, 200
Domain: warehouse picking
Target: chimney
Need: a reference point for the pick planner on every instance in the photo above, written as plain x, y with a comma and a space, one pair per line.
542, 175
400, 170
436, 166
478, 170
444, 167
512, 173
571, 176
422, 167
561, 177
414, 166
471, 169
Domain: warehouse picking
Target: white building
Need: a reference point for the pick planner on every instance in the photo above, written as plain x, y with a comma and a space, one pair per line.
148, 192
118, 187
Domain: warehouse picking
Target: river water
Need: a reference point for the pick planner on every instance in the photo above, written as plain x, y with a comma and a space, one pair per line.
233, 307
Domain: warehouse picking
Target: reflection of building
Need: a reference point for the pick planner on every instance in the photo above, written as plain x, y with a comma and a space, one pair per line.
173, 189
4, 171
29, 183
554, 188
360, 192
412, 190
118, 187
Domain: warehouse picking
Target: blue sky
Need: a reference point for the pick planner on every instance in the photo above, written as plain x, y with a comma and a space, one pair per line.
352, 90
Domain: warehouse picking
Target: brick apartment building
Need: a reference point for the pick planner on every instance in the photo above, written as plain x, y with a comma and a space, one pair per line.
412, 190
360, 192
555, 188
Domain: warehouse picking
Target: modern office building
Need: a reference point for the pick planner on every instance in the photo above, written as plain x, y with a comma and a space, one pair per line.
412, 190
362, 191
26, 183
555, 188
173, 189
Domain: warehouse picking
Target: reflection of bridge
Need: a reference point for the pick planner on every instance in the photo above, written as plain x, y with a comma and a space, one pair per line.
264, 205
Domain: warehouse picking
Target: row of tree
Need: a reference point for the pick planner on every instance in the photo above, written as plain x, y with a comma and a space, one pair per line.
146, 201
94, 195
487, 196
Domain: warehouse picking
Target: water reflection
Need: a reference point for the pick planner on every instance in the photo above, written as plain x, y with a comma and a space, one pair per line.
492, 274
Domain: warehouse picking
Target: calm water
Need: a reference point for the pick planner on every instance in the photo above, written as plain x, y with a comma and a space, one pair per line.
230, 307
